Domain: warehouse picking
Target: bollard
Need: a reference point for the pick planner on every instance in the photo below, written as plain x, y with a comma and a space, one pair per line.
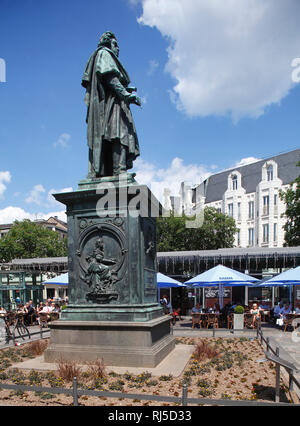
277, 387
268, 344
291, 381
41, 332
184, 395
75, 395
214, 330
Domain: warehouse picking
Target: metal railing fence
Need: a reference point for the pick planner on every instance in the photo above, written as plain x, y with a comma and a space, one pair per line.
183, 400
279, 362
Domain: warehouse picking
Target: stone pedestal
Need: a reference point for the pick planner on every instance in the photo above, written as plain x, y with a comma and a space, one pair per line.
139, 344
113, 311
238, 321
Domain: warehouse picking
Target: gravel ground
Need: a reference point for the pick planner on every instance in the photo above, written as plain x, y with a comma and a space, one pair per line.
229, 368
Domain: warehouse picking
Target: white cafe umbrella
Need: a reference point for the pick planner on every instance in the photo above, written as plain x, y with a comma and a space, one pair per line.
62, 279
289, 278
163, 281
221, 276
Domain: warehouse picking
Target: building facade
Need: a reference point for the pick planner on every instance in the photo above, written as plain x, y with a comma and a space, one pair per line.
250, 194
53, 223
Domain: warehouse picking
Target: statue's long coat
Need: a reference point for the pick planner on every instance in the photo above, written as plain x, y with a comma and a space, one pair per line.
108, 116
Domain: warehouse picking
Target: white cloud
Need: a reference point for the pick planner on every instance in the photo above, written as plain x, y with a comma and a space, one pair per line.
62, 141
153, 65
12, 213
40, 197
159, 179
228, 57
5, 177
134, 2
246, 160
35, 195
170, 178
50, 197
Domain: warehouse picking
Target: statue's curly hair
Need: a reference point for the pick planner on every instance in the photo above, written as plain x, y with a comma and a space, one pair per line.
106, 38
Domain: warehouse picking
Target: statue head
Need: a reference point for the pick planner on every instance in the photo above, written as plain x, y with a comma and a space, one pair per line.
108, 39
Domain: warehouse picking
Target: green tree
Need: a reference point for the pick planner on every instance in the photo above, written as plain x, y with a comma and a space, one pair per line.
291, 197
217, 231
28, 239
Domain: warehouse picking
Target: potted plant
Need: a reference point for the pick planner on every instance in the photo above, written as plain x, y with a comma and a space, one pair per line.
238, 317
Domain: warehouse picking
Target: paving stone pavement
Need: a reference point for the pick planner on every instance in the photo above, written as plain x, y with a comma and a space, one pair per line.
288, 342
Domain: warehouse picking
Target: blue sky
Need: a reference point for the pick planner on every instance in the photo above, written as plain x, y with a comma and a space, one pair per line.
215, 79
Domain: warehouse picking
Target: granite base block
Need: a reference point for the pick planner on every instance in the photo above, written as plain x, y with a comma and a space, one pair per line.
139, 344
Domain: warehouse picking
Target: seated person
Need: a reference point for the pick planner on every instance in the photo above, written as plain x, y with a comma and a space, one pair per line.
56, 308
285, 310
278, 310
47, 308
30, 311
255, 311
21, 309
197, 309
217, 308
176, 315
2, 310
264, 306
164, 303
39, 307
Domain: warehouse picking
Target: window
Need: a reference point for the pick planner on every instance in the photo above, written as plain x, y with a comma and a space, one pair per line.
251, 209
270, 173
239, 210
230, 209
275, 232
251, 236
234, 182
275, 204
266, 233
266, 203
239, 237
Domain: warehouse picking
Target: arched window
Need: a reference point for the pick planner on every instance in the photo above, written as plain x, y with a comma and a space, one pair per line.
234, 182
270, 173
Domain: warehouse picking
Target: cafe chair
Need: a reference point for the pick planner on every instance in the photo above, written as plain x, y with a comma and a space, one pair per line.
196, 319
212, 319
230, 320
287, 321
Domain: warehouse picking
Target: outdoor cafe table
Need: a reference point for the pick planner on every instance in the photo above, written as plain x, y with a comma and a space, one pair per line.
265, 314
202, 318
289, 318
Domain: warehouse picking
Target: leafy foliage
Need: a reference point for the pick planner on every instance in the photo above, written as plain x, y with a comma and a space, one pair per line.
217, 231
28, 239
291, 197
239, 309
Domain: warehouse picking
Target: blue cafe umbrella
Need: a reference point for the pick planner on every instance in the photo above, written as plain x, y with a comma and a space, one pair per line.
163, 281
221, 276
62, 279
289, 278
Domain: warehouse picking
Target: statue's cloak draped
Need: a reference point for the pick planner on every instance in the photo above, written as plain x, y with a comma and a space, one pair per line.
108, 117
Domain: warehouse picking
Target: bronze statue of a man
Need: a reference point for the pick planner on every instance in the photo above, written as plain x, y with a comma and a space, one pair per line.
111, 133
